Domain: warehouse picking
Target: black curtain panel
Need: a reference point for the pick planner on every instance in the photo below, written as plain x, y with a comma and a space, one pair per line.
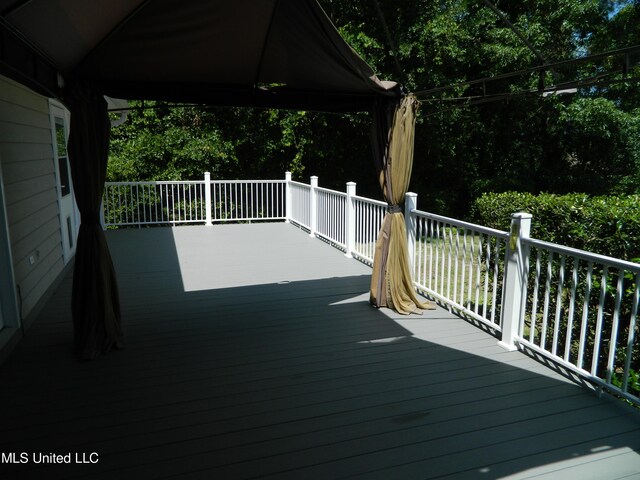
95, 303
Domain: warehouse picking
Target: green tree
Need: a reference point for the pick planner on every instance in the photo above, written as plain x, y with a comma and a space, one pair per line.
579, 142
159, 142
584, 142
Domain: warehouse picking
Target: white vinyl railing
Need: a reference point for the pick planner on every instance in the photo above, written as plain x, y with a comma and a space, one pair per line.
299, 204
150, 203
200, 201
247, 200
330, 216
369, 215
581, 309
460, 264
573, 307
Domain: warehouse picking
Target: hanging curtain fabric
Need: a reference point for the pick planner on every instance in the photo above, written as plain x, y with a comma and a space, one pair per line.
392, 139
95, 300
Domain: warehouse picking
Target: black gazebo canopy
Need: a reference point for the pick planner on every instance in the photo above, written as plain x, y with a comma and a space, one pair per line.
266, 53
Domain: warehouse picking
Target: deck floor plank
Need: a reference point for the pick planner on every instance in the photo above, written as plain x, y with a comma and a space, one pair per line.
251, 352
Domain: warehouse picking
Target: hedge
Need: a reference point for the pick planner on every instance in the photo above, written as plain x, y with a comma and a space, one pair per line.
608, 225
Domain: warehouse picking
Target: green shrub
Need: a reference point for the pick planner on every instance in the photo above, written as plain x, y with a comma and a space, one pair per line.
608, 225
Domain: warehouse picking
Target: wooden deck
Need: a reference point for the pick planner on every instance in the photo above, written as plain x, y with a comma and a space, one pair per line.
252, 352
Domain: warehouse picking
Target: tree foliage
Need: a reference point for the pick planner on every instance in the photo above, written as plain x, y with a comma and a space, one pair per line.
583, 142
587, 142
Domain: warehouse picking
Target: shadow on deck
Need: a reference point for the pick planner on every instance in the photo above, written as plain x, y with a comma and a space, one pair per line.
252, 352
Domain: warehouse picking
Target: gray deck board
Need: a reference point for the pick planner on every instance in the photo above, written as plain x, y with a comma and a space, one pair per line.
252, 352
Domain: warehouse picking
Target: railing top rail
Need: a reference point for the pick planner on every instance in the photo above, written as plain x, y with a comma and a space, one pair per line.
590, 256
248, 181
332, 192
156, 182
300, 184
461, 224
188, 182
116, 184
380, 203
180, 182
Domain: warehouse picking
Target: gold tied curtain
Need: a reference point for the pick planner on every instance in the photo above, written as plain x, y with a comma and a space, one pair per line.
393, 139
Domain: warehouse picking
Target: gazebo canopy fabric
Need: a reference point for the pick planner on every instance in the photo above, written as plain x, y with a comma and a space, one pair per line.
266, 53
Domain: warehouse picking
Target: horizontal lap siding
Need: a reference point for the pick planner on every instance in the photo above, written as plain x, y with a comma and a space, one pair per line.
31, 201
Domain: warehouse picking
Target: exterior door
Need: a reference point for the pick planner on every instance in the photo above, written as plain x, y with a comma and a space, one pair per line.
66, 201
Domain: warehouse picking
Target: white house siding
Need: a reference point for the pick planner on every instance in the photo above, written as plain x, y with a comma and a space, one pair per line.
28, 173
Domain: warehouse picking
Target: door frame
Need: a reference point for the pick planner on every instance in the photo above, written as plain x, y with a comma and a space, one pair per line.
68, 212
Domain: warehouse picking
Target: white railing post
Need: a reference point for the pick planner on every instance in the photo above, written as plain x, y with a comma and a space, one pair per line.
313, 208
207, 198
287, 197
350, 220
411, 204
515, 279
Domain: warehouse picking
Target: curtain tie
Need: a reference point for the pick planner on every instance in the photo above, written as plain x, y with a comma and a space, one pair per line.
394, 208
90, 218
